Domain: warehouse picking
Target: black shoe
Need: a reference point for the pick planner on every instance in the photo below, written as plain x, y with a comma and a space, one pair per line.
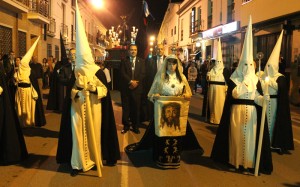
136, 130
74, 172
125, 129
111, 162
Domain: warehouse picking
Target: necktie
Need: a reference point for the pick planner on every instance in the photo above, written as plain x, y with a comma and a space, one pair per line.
132, 67
159, 63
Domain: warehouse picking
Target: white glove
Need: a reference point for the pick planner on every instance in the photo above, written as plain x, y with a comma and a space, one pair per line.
81, 93
1, 90
92, 87
267, 97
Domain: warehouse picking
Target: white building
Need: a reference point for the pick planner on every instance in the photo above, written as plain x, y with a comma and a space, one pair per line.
201, 22
22, 21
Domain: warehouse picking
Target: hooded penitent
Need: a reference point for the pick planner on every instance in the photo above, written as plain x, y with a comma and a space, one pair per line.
272, 65
85, 64
24, 68
63, 53
246, 68
219, 66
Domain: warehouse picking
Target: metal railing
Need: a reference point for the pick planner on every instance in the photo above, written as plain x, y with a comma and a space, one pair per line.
209, 21
196, 26
51, 27
39, 6
73, 33
64, 31
24, 2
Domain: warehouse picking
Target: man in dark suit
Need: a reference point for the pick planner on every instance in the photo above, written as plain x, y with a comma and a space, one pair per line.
9, 67
153, 65
132, 77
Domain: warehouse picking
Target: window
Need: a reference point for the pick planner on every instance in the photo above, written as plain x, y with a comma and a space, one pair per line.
5, 40
181, 30
198, 23
22, 43
230, 11
49, 50
174, 30
192, 23
209, 14
56, 52
171, 32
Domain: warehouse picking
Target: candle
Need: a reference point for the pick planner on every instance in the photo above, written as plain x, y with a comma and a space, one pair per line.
267, 79
133, 28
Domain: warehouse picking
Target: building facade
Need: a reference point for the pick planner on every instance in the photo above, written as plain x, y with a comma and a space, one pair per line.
22, 21
202, 22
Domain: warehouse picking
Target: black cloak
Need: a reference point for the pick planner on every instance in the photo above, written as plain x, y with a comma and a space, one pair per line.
40, 119
109, 138
189, 141
56, 92
283, 133
220, 150
12, 144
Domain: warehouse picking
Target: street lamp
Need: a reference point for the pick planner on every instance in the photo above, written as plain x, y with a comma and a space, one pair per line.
97, 3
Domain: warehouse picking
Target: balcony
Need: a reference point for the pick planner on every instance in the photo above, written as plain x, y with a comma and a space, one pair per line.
39, 11
51, 28
17, 6
196, 27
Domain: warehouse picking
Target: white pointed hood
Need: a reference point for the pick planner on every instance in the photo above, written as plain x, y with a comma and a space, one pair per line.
85, 64
272, 65
24, 68
219, 65
246, 64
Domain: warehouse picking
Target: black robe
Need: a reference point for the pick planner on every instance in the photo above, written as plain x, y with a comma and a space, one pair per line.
12, 144
109, 138
57, 88
283, 133
40, 119
220, 150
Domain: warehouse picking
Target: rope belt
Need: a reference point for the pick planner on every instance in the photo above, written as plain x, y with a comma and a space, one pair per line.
273, 96
24, 85
216, 83
243, 102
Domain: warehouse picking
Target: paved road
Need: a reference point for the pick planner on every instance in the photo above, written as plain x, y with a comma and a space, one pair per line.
40, 169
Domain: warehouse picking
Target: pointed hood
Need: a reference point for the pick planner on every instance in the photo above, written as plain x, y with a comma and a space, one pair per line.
246, 63
24, 68
219, 65
63, 52
85, 64
272, 65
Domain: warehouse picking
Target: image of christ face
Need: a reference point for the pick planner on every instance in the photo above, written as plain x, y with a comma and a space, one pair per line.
170, 113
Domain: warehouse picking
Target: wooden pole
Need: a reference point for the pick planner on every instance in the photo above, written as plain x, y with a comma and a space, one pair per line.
262, 124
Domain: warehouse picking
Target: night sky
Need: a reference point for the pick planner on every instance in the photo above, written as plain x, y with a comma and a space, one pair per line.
110, 14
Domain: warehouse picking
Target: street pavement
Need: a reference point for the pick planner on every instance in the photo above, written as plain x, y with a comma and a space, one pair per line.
138, 170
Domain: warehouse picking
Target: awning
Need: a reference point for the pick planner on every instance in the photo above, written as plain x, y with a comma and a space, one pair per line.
195, 53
